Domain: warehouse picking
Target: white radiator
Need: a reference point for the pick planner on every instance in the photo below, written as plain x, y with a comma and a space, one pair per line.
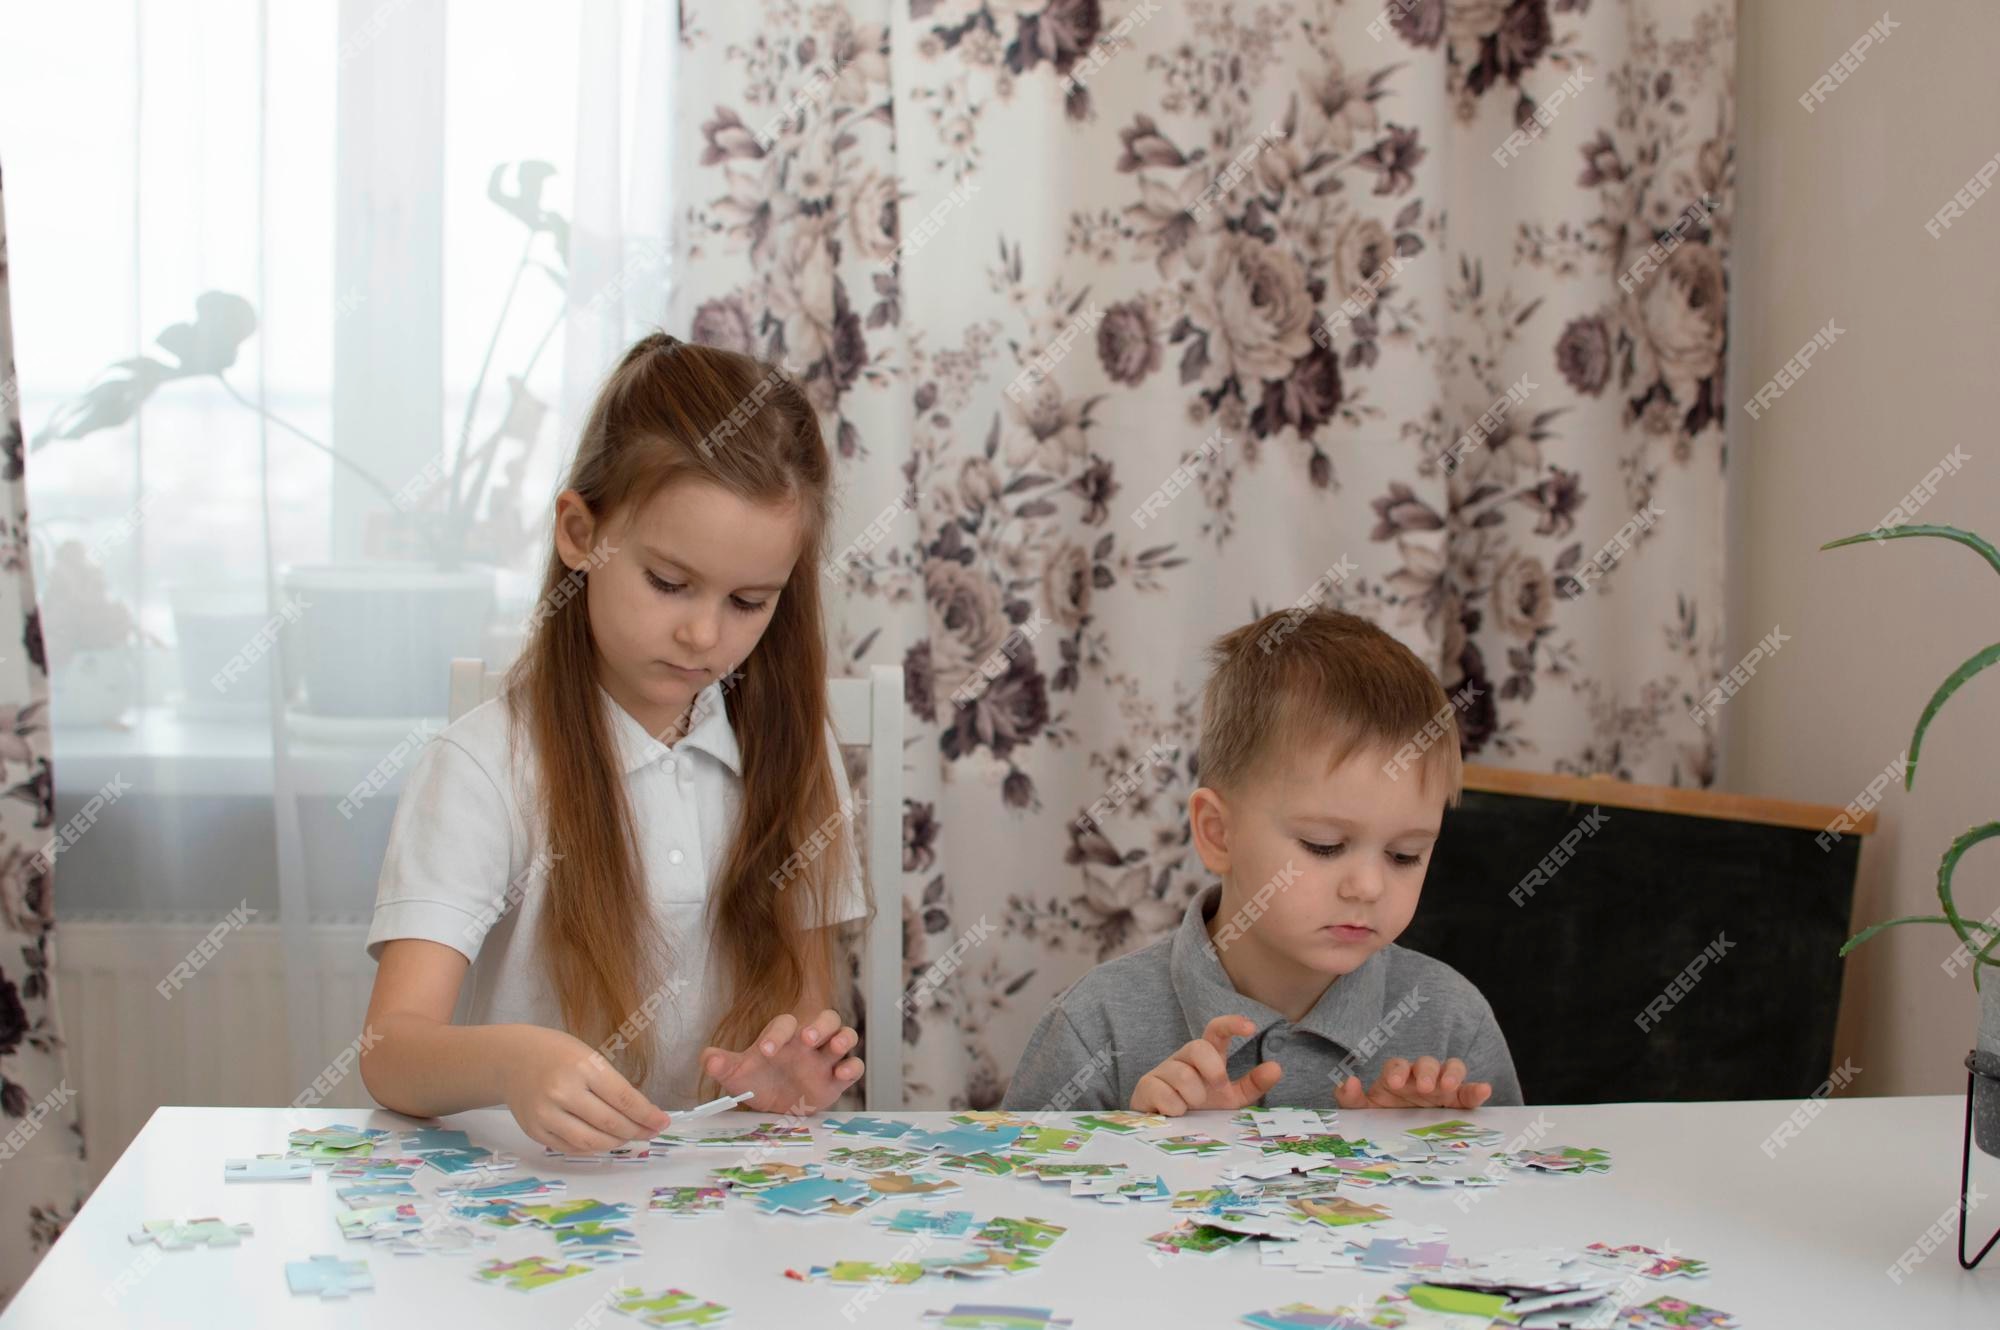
220, 1039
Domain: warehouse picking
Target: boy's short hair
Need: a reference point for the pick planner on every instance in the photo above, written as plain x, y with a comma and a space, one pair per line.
1322, 677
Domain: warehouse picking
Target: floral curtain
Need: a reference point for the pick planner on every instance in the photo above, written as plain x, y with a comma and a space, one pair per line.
1132, 321
41, 1146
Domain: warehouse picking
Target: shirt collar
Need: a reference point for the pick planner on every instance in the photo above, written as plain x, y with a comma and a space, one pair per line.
711, 733
1346, 1014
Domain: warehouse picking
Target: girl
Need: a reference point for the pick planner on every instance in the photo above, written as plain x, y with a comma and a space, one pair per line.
609, 847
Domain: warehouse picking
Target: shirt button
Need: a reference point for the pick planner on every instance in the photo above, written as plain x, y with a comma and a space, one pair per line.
675, 856
667, 762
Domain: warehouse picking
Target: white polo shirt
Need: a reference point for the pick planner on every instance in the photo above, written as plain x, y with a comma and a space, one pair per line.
467, 867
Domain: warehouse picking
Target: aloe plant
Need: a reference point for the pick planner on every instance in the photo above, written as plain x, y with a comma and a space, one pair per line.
1979, 660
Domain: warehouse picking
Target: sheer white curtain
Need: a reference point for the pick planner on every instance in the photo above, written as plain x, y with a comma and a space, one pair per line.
307, 302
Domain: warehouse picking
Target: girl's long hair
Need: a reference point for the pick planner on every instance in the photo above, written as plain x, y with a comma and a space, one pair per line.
674, 411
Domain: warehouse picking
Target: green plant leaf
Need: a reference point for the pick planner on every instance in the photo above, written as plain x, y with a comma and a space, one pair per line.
1982, 547
1972, 666
1946, 867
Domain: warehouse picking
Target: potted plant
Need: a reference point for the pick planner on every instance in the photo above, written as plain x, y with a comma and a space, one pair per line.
1981, 939
373, 637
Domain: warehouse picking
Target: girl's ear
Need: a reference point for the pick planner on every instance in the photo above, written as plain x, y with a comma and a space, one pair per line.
576, 530
1208, 818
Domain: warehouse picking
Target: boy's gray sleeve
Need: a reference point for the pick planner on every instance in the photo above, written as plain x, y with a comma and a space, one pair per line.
1488, 1059
1058, 1071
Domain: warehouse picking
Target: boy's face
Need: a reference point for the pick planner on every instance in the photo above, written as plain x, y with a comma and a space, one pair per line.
1321, 869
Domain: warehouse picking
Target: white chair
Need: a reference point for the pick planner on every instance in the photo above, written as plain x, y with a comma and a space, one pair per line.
865, 711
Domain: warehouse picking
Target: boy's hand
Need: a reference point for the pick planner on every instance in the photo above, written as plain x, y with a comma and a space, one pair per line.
1424, 1084
1198, 1075
790, 1065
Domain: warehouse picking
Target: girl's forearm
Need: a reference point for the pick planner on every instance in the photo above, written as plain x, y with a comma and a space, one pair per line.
426, 1068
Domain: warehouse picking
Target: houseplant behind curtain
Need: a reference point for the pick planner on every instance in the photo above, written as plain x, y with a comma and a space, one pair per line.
1134, 320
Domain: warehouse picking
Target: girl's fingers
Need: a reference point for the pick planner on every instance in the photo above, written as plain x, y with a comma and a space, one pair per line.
626, 1100
578, 1136
848, 1072
593, 1109
843, 1042
822, 1028
777, 1034
718, 1063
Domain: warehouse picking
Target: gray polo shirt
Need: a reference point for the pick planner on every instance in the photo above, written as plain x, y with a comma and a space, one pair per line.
1129, 1015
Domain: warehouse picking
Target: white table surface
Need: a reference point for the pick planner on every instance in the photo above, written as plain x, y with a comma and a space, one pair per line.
1802, 1239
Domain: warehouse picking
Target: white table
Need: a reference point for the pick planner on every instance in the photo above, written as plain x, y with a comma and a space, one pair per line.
1802, 1239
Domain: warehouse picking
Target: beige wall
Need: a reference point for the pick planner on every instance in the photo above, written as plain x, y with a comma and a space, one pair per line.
1831, 208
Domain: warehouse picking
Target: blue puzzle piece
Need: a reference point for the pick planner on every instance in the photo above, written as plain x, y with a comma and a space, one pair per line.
880, 1128
329, 1276
944, 1223
426, 1139
810, 1194
963, 1140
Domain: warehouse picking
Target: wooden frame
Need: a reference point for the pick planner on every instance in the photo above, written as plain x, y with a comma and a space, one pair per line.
1611, 791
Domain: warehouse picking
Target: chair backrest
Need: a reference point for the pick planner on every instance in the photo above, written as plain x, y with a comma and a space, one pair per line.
866, 712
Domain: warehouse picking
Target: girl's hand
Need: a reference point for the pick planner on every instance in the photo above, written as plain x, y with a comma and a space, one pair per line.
1198, 1075
1424, 1084
567, 1096
790, 1069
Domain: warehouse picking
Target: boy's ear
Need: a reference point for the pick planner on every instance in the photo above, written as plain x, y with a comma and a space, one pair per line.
576, 529
1208, 819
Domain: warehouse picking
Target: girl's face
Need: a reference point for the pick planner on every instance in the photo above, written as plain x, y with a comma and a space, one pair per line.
680, 589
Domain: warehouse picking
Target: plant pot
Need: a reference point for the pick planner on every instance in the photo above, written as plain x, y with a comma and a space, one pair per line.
1986, 1088
377, 639
213, 624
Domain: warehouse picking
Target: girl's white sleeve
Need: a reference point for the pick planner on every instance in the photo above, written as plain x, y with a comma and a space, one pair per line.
850, 899
445, 874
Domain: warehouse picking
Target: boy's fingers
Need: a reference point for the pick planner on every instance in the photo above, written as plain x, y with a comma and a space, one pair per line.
1224, 1028
1474, 1093
1164, 1100
1451, 1078
1201, 1055
1425, 1076
1253, 1084
1185, 1082
1349, 1094
1395, 1073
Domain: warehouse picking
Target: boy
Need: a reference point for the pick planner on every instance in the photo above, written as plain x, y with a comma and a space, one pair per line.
1318, 809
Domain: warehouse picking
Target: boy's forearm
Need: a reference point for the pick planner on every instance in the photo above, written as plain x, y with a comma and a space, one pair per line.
427, 1068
